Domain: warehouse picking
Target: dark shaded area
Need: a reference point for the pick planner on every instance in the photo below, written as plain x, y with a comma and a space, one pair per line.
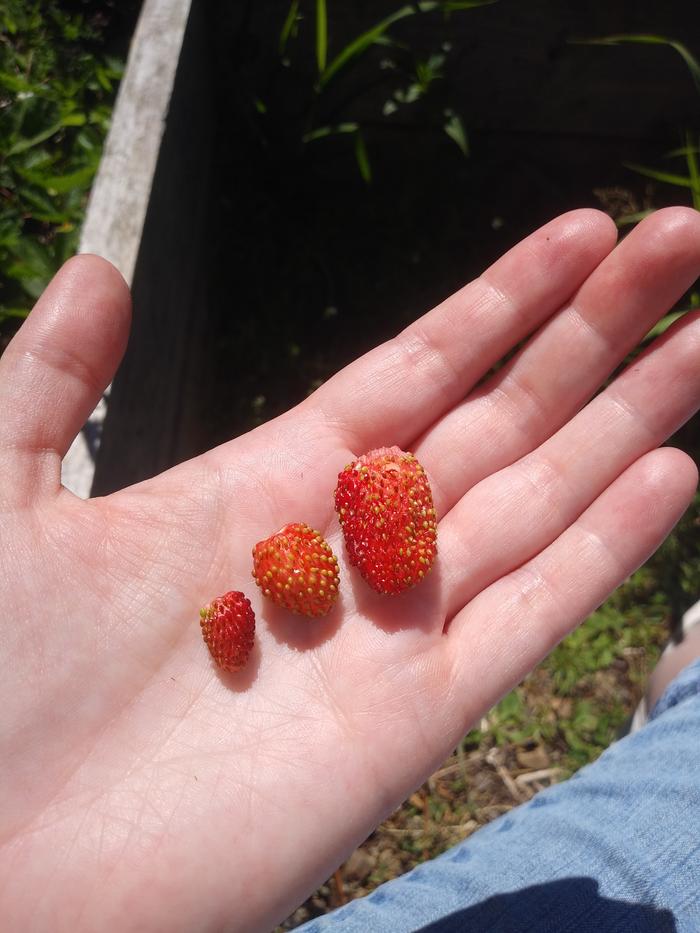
114, 19
292, 265
158, 397
572, 904
310, 266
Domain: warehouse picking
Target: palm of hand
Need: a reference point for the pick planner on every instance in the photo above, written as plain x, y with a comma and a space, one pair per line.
139, 779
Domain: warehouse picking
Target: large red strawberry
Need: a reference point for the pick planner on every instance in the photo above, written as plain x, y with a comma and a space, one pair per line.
385, 506
296, 569
228, 627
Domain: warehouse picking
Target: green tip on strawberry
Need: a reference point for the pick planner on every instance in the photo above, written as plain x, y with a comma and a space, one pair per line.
228, 628
296, 569
385, 507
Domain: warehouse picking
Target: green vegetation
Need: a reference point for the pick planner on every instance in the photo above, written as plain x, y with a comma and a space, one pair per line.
408, 74
690, 151
604, 663
56, 96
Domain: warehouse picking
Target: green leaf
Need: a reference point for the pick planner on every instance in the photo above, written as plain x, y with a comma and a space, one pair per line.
33, 266
7, 313
664, 324
9, 23
362, 158
324, 131
361, 43
23, 144
510, 706
60, 184
40, 207
410, 95
390, 43
692, 160
289, 24
115, 67
648, 39
455, 130
628, 219
321, 35
73, 119
454, 6
18, 84
669, 178
682, 151
103, 78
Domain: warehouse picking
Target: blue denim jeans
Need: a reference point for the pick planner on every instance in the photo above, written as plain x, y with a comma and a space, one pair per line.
615, 848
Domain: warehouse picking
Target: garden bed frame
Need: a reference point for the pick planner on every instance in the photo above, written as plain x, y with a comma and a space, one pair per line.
147, 215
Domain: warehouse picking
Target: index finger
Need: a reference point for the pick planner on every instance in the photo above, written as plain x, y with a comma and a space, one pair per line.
395, 392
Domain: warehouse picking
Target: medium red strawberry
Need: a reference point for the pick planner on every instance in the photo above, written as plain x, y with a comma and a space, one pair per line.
385, 506
228, 627
296, 569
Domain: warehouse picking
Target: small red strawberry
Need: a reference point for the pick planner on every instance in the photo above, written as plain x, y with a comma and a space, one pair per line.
228, 628
385, 506
296, 569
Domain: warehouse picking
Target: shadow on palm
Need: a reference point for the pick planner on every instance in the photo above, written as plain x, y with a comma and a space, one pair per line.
419, 608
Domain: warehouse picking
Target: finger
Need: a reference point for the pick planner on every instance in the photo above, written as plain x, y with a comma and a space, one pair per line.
512, 515
54, 371
394, 393
565, 362
514, 623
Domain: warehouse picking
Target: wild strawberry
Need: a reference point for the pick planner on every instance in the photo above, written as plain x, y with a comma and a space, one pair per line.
296, 569
228, 628
385, 507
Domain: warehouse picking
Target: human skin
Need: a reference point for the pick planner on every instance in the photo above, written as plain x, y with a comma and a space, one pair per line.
144, 790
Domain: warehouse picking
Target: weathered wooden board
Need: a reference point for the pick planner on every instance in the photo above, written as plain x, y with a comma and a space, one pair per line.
159, 393
147, 215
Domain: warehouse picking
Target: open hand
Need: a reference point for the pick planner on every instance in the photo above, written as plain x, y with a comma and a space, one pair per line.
141, 788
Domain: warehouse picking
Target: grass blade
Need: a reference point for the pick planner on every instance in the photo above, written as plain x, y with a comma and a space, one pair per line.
644, 39
7, 313
321, 35
454, 128
693, 171
362, 42
323, 131
362, 158
664, 324
628, 219
23, 144
669, 178
73, 181
288, 25
682, 151
454, 6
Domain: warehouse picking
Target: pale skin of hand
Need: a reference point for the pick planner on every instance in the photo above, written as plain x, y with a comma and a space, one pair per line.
143, 790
